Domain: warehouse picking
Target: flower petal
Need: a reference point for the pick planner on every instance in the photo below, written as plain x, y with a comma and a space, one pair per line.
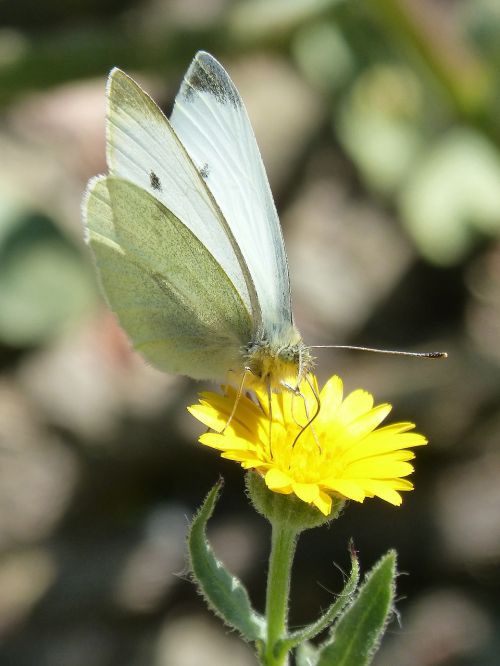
384, 491
324, 503
379, 443
275, 478
367, 422
346, 487
224, 442
382, 467
356, 403
208, 416
308, 492
331, 396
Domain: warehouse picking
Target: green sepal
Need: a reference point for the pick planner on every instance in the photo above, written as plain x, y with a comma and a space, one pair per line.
311, 630
224, 593
277, 507
306, 655
357, 634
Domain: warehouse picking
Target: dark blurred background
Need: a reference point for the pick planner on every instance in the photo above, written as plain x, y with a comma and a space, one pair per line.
379, 124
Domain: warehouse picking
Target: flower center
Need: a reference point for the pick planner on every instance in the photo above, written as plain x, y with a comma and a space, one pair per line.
303, 455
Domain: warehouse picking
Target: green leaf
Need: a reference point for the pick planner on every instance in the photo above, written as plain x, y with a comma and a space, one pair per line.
260, 19
357, 634
378, 125
46, 286
224, 593
311, 630
452, 197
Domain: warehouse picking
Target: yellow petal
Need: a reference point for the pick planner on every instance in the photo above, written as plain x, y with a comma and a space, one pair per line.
308, 492
208, 416
366, 423
356, 403
331, 397
384, 491
396, 428
349, 489
324, 503
241, 456
224, 442
381, 467
377, 443
216, 408
400, 484
275, 478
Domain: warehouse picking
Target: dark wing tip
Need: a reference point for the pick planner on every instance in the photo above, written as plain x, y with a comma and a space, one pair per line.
207, 75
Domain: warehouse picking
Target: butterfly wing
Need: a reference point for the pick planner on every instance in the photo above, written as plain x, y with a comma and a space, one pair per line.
177, 304
212, 123
143, 149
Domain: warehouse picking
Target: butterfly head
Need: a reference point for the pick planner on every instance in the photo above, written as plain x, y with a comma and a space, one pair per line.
278, 361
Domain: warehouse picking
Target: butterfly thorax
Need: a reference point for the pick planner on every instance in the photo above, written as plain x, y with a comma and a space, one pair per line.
279, 361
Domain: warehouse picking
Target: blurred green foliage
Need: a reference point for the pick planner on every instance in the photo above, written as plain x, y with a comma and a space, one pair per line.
45, 284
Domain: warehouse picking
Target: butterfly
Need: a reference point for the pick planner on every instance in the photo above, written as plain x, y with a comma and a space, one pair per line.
186, 237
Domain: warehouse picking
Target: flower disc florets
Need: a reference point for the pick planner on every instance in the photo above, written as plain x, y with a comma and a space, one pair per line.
342, 452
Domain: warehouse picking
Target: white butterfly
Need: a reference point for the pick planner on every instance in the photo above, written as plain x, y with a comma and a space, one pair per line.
186, 236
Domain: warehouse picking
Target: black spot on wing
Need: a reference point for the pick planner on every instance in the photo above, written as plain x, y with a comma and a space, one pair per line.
154, 181
207, 75
204, 171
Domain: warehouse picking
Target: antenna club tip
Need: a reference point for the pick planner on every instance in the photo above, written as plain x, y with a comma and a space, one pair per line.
438, 354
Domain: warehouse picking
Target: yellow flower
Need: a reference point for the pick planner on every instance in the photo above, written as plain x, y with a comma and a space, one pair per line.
343, 452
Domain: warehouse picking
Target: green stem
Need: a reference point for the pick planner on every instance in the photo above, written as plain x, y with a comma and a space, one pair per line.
284, 539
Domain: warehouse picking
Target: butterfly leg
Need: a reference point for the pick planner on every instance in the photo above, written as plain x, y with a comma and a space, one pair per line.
238, 396
310, 419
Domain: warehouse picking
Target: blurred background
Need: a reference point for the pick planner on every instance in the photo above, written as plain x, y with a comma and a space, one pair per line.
379, 124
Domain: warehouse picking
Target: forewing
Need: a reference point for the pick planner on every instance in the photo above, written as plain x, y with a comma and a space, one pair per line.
143, 149
175, 301
212, 123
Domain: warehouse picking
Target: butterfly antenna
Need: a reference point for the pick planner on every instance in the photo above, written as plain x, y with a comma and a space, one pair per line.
298, 394
238, 396
391, 352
